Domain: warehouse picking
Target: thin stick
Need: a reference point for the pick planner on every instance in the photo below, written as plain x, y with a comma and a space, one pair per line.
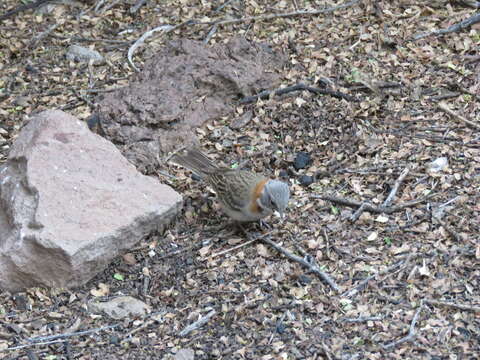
453, 305
362, 319
222, 6
33, 344
52, 339
355, 216
109, 6
312, 267
210, 34
411, 332
37, 39
374, 209
298, 87
197, 324
165, 28
408, 204
456, 27
362, 284
22, 8
233, 248
137, 6
67, 335
444, 107
388, 201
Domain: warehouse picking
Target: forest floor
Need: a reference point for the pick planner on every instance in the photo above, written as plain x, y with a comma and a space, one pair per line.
407, 269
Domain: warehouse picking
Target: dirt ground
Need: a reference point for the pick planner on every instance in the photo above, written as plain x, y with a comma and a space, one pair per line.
408, 273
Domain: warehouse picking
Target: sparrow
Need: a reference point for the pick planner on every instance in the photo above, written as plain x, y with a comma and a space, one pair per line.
244, 196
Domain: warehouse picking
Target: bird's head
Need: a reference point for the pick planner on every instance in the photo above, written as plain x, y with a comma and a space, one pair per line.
275, 196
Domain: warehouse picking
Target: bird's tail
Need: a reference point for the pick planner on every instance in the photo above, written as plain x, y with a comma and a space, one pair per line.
194, 160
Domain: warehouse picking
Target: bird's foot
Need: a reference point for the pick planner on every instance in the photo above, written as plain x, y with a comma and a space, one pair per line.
264, 225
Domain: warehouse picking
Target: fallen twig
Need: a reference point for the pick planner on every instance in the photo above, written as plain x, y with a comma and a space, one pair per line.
371, 208
356, 215
52, 339
463, 89
453, 305
165, 28
411, 332
379, 84
197, 324
362, 284
312, 267
472, 3
456, 27
22, 8
298, 87
362, 319
33, 344
445, 108
210, 34
444, 96
138, 4
37, 39
472, 59
388, 201
223, 5
101, 10
237, 247
89, 39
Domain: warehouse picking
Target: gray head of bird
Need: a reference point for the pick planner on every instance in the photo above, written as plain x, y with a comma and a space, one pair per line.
275, 196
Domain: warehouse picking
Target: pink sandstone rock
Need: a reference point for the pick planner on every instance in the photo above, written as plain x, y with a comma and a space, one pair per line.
70, 203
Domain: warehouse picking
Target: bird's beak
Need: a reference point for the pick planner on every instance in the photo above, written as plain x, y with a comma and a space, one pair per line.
281, 215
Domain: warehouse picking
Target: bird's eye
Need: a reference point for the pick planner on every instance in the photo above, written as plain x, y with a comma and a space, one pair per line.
273, 206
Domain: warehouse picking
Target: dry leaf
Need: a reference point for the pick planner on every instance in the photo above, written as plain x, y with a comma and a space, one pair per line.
103, 290
129, 259
262, 250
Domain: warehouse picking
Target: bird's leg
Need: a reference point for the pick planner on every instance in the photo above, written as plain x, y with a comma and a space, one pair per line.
264, 225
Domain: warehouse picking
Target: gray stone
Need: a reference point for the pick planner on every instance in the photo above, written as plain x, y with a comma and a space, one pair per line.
83, 54
70, 203
185, 354
120, 307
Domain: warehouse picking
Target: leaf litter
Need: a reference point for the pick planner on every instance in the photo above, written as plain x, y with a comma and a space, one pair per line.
410, 279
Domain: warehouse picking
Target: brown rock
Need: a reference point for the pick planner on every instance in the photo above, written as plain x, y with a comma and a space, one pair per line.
180, 89
70, 203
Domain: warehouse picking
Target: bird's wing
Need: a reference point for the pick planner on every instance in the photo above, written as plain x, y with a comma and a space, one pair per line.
234, 187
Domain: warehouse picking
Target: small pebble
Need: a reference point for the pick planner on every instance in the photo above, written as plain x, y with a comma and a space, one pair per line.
83, 54
283, 174
304, 279
31, 69
114, 339
302, 160
93, 122
21, 302
305, 180
280, 327
438, 164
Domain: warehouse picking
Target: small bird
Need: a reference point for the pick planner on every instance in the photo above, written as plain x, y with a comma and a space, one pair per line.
244, 195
